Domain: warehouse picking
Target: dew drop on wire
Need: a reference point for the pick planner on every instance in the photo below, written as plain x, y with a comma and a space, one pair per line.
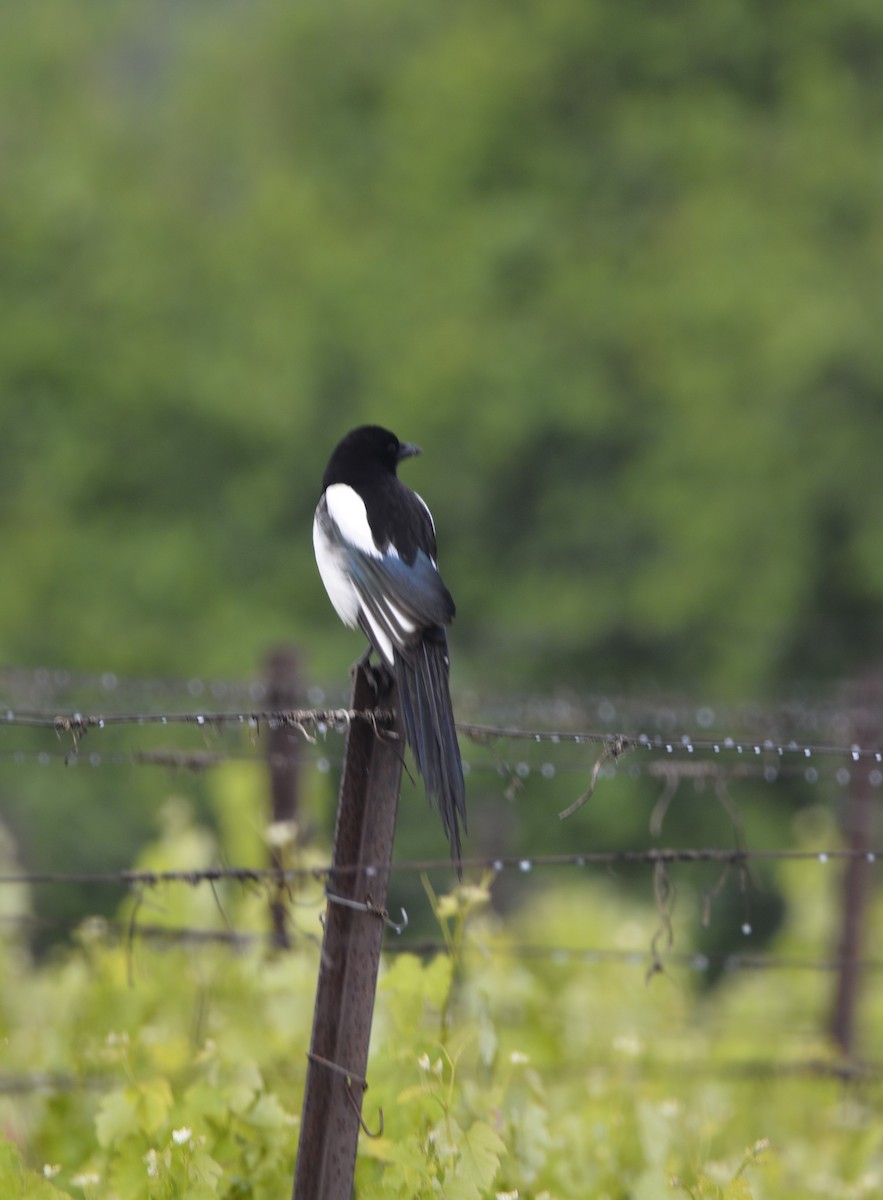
746, 928
525, 865
497, 865
871, 856
200, 720
875, 778
823, 858
547, 770
101, 722
842, 776
811, 775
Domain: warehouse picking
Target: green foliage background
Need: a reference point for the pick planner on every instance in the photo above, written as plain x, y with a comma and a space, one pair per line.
616, 268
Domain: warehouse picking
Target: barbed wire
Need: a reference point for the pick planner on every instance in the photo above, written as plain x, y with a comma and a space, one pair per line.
522, 863
685, 743
323, 720
77, 723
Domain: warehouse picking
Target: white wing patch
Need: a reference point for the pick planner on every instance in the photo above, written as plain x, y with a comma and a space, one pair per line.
332, 568
341, 521
431, 524
380, 637
347, 510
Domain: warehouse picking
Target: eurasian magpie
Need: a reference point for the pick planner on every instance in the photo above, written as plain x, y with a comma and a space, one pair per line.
375, 548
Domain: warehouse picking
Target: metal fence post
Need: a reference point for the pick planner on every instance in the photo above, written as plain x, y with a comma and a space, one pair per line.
338, 1056
858, 829
283, 754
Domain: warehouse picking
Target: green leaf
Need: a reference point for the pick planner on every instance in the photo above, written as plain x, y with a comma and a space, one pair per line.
480, 1155
267, 1113
204, 1172
117, 1116
154, 1102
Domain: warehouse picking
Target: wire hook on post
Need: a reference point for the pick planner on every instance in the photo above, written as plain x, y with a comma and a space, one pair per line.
350, 1079
368, 906
351, 1098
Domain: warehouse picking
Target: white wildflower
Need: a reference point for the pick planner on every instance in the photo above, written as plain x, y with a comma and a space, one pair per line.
50, 1170
182, 1136
151, 1160
280, 834
86, 1179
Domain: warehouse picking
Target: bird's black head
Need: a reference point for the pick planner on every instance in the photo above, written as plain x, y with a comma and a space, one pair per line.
365, 451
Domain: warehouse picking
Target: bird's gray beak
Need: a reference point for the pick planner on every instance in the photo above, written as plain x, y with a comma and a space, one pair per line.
408, 450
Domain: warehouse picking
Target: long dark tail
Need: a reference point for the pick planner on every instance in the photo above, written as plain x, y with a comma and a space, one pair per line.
428, 717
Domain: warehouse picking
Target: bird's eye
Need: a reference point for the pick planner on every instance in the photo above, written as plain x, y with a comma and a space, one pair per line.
393, 449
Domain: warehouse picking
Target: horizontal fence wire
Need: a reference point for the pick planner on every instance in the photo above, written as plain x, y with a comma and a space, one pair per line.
521, 863
734, 1070
323, 720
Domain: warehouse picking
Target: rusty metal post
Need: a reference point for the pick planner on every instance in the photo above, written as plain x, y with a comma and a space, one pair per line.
283, 755
338, 1057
